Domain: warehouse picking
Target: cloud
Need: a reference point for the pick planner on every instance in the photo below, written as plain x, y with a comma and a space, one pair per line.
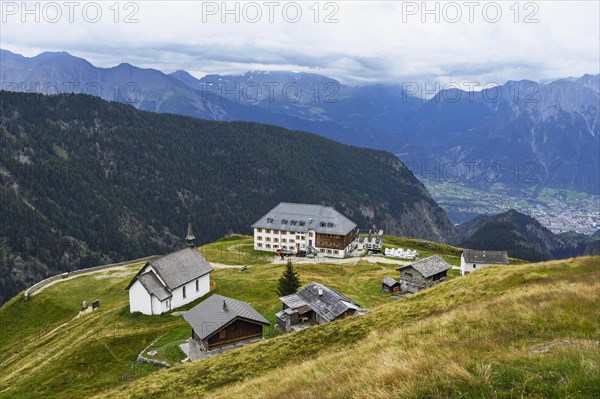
370, 42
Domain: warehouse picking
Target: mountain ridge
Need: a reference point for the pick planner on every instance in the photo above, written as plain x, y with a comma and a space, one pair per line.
88, 182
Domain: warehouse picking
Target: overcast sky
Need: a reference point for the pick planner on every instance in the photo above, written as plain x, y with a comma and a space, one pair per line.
353, 41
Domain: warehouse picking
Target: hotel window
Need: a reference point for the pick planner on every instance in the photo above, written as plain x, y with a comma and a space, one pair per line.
292, 240
275, 239
336, 252
329, 251
259, 238
259, 230
275, 246
283, 240
267, 238
322, 250
310, 234
268, 246
259, 245
297, 237
267, 231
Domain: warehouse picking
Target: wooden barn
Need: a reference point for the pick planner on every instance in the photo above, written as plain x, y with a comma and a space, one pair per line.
423, 274
220, 321
388, 284
315, 303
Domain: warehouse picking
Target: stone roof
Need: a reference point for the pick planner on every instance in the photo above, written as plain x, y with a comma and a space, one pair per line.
302, 217
429, 266
324, 301
153, 285
390, 282
181, 267
485, 257
210, 316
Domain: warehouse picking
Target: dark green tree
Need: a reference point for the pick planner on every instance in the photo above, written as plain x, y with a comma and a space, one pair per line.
289, 282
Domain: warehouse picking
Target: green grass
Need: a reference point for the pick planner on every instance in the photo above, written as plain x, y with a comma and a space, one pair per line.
95, 353
107, 342
167, 346
235, 250
468, 338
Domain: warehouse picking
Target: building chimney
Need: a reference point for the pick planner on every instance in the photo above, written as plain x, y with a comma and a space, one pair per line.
224, 306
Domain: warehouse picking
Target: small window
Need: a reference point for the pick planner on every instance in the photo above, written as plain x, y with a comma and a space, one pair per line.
184, 296
259, 230
474, 266
197, 285
221, 334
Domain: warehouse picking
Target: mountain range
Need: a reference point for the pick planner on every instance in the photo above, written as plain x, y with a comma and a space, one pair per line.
523, 237
522, 134
84, 182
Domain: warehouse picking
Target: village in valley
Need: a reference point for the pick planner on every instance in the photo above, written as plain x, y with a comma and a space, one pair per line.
294, 241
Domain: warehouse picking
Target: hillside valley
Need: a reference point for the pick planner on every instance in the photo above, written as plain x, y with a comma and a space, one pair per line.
85, 182
523, 134
529, 329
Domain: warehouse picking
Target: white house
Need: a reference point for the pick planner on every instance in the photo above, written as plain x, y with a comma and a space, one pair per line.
291, 228
472, 259
170, 281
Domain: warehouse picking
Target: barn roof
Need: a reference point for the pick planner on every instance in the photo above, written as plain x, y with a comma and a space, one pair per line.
487, 257
181, 267
153, 285
210, 316
390, 282
329, 304
303, 217
429, 266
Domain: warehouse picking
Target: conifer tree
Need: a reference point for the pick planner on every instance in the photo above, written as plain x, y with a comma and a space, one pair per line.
289, 282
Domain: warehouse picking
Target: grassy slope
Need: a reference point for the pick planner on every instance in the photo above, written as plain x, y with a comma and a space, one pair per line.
36, 361
469, 337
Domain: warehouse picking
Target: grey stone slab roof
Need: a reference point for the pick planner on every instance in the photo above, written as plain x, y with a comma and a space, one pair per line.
429, 266
293, 301
330, 304
153, 285
486, 257
209, 317
181, 267
302, 217
390, 282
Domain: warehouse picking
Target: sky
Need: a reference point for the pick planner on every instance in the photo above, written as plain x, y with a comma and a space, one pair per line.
475, 43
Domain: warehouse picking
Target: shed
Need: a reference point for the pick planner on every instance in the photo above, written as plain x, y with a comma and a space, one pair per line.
388, 284
220, 321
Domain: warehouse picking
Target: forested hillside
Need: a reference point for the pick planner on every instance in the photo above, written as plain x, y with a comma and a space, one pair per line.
84, 181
